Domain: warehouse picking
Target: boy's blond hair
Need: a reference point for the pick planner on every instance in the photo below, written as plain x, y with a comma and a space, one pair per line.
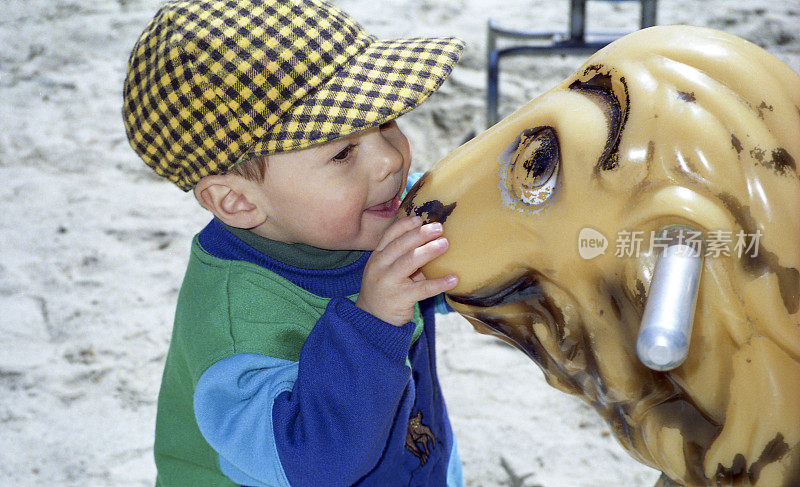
253, 169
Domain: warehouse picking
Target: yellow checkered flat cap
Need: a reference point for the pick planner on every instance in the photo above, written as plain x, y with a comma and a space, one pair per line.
211, 83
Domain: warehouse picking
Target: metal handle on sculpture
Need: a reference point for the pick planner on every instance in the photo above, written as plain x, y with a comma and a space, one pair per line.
663, 342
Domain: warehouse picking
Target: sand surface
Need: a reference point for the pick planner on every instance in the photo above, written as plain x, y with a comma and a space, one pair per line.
93, 246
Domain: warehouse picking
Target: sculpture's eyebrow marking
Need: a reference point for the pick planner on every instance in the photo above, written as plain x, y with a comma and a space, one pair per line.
599, 89
687, 96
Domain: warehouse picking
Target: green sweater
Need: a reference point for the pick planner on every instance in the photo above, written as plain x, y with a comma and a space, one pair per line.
225, 307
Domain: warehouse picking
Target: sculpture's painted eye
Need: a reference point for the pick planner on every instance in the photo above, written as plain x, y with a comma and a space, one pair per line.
533, 169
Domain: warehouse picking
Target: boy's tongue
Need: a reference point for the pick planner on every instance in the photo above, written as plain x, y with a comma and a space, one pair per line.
383, 206
387, 208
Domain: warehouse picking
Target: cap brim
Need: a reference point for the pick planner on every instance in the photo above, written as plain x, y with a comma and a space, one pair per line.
386, 80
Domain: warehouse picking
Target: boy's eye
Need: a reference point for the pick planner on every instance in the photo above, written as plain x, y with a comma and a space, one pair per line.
343, 155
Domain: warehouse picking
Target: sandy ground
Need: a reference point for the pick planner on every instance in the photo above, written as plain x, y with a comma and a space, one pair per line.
93, 246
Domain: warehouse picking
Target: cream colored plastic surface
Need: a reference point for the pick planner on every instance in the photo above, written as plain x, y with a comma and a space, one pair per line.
670, 125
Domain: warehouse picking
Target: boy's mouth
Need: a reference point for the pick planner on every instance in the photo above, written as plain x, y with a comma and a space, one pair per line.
387, 209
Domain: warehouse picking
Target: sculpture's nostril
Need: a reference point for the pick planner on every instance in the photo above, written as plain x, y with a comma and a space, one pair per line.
432, 211
407, 206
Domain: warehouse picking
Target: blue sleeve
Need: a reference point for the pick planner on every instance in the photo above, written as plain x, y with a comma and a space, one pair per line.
233, 406
441, 306
455, 476
323, 420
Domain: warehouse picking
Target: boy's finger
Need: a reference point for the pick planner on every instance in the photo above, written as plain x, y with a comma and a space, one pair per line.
431, 287
418, 257
398, 228
411, 240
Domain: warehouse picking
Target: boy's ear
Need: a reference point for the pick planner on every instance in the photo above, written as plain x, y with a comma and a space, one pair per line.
230, 199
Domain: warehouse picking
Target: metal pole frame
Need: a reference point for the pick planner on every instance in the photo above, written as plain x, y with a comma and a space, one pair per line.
573, 42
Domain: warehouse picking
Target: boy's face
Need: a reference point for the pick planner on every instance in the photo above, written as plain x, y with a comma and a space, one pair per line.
339, 195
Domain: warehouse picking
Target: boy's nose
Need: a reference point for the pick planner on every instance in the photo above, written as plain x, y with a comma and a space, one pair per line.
388, 160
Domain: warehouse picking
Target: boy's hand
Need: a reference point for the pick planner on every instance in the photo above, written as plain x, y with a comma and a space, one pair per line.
392, 282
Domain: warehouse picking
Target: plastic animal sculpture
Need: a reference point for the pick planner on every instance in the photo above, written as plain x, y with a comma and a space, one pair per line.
554, 217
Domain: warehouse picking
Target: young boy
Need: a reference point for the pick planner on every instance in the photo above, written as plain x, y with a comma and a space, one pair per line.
300, 354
